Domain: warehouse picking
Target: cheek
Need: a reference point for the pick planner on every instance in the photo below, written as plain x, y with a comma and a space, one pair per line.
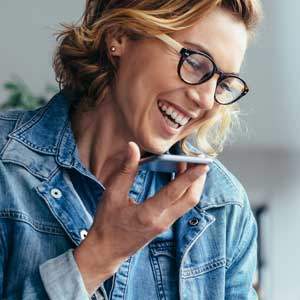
212, 113
155, 74
167, 77
206, 117
147, 71
139, 89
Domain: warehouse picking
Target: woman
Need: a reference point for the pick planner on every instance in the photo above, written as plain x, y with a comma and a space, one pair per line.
78, 219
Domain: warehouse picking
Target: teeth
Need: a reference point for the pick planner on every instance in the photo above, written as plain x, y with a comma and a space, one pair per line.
184, 121
169, 110
176, 115
179, 118
172, 124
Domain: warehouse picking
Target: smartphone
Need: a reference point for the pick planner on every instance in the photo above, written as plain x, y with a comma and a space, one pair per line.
168, 162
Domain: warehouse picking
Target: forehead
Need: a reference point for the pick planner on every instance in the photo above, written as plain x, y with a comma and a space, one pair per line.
222, 35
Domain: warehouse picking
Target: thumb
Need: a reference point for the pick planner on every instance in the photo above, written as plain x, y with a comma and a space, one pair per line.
132, 159
127, 172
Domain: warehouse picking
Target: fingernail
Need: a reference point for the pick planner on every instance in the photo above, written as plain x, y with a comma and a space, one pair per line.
129, 151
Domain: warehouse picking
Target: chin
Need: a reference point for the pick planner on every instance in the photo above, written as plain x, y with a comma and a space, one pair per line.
155, 150
157, 147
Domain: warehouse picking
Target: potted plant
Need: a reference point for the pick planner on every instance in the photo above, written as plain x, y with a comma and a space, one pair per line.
21, 97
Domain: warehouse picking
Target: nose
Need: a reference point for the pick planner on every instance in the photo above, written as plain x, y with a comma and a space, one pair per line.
203, 94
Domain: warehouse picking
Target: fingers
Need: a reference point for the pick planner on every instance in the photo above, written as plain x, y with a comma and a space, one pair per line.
189, 200
181, 167
171, 193
127, 173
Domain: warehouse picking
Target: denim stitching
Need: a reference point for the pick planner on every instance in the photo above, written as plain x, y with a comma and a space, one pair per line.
229, 180
157, 274
8, 118
210, 266
35, 119
18, 216
9, 140
244, 242
32, 172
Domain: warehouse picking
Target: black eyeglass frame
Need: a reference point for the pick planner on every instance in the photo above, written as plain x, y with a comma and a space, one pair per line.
185, 53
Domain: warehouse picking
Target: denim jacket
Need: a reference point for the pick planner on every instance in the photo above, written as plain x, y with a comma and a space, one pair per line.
209, 253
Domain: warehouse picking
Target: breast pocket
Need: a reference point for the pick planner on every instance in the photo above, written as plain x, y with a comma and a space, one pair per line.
165, 270
205, 280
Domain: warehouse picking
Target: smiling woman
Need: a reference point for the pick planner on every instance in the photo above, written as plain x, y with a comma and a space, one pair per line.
80, 219
85, 65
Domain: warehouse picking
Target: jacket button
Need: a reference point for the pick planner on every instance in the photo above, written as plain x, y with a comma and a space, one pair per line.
56, 193
194, 221
83, 234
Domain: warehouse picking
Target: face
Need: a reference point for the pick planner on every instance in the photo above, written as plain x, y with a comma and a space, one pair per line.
148, 84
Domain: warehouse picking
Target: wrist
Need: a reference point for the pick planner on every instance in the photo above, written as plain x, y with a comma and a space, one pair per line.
95, 262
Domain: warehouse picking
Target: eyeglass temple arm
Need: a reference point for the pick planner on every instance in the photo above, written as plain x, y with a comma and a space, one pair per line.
171, 42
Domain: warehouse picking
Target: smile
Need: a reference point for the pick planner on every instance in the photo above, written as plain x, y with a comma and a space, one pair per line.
174, 118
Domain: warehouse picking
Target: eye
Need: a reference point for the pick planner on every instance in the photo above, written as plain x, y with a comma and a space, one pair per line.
224, 86
193, 63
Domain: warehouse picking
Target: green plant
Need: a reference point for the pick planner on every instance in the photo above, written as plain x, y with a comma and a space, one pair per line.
21, 97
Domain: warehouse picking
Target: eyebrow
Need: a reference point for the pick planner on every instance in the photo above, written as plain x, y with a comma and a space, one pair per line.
203, 49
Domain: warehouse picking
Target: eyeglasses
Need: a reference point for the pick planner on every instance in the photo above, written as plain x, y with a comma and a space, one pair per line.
196, 67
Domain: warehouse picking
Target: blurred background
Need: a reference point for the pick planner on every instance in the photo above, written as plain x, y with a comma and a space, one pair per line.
264, 154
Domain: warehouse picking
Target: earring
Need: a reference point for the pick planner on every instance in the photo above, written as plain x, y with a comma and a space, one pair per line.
113, 49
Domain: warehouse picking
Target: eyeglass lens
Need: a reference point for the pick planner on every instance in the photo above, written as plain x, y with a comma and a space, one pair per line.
197, 68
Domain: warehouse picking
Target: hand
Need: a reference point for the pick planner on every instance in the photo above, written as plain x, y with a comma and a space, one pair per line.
121, 227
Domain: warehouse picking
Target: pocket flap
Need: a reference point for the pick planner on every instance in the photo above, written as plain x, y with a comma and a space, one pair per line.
203, 268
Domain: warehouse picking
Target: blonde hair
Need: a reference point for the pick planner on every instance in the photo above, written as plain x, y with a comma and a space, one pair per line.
85, 69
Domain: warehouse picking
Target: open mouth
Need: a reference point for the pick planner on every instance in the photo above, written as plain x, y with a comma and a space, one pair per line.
173, 117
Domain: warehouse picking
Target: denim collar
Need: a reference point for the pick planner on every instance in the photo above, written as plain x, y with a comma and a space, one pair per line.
43, 140
48, 130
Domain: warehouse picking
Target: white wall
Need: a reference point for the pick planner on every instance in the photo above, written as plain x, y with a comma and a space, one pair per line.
273, 71
272, 177
265, 159
27, 41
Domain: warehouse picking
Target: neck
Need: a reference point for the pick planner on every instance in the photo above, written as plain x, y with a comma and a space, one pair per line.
101, 139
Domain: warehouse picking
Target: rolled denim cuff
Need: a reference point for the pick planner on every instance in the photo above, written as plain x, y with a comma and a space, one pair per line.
62, 279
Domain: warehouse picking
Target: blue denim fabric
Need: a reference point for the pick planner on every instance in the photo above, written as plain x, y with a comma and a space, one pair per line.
209, 253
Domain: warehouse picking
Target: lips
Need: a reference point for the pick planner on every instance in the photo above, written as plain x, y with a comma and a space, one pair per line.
179, 109
167, 124
175, 117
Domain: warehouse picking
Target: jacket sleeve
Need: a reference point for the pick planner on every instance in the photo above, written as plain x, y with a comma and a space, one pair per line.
242, 266
62, 279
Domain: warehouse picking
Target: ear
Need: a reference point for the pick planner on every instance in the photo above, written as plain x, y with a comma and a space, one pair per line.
116, 42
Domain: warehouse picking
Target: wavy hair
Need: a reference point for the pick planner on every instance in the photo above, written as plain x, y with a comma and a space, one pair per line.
85, 69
